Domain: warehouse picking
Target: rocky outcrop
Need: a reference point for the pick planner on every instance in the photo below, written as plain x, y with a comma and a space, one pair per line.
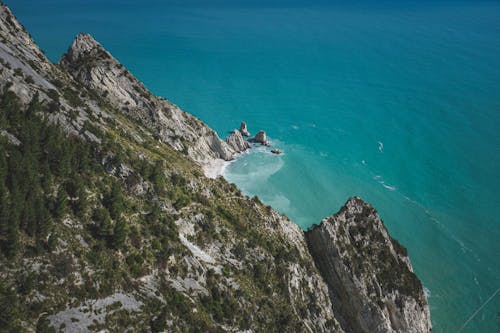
95, 68
236, 142
261, 138
370, 278
243, 129
210, 259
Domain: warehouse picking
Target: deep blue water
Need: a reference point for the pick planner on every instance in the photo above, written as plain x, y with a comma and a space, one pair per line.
397, 102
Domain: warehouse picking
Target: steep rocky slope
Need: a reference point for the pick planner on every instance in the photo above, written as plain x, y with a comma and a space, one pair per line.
107, 220
93, 67
370, 278
124, 230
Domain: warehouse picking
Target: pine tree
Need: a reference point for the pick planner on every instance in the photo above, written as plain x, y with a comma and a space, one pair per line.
44, 227
102, 223
120, 233
114, 201
12, 243
61, 203
4, 210
81, 205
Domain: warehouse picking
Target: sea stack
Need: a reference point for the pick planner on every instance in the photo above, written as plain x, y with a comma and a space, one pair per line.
261, 138
243, 129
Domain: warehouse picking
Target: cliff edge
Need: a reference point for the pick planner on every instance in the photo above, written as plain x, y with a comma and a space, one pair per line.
370, 279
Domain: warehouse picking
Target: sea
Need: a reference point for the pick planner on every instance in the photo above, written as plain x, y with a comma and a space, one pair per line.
397, 102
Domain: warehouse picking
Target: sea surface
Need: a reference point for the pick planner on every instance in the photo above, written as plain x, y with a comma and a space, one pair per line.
397, 102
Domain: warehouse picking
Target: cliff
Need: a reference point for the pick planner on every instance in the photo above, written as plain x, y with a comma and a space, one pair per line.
107, 220
369, 275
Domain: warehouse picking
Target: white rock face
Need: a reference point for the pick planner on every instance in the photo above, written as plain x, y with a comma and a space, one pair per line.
369, 275
91, 65
236, 142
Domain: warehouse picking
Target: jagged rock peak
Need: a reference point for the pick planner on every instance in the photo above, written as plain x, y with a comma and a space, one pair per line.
244, 130
236, 142
84, 45
370, 278
92, 66
18, 43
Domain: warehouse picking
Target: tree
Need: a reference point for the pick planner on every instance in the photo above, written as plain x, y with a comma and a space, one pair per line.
114, 201
44, 227
11, 243
102, 223
81, 205
120, 233
4, 209
61, 203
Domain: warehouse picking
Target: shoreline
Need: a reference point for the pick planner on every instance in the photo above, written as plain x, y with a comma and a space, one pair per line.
215, 168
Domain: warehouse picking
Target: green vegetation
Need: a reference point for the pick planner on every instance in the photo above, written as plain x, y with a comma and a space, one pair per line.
95, 209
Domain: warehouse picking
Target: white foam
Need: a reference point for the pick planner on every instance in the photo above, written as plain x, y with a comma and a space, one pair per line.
380, 146
427, 292
379, 179
389, 187
295, 127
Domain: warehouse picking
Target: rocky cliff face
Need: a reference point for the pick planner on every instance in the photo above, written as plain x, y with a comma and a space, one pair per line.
134, 236
369, 275
95, 68
236, 142
144, 241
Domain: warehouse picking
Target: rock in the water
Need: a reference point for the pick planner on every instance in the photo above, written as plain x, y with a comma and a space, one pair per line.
243, 129
276, 151
236, 142
369, 275
261, 138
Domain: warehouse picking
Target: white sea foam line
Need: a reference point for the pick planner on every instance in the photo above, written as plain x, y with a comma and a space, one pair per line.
478, 310
431, 217
380, 146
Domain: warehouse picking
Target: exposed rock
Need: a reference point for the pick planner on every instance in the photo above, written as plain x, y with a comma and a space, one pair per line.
371, 281
95, 68
243, 129
236, 142
261, 138
276, 151
12, 139
222, 244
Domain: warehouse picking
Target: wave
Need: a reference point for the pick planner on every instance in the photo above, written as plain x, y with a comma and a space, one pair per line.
380, 146
427, 292
381, 181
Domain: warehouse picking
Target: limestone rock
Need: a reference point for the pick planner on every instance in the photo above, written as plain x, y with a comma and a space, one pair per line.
261, 138
236, 142
243, 129
92, 66
369, 275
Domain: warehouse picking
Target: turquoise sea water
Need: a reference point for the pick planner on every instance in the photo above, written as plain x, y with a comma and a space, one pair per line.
397, 102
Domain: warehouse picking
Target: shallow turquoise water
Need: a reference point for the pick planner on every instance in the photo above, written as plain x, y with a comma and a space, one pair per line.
398, 103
